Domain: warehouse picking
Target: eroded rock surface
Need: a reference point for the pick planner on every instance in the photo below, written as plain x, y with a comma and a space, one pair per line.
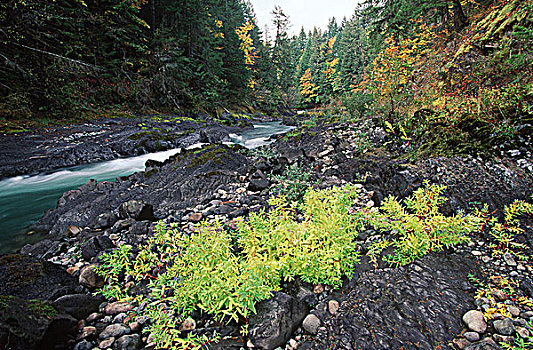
415, 307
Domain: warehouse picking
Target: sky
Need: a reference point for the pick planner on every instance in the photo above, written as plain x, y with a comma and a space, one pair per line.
306, 13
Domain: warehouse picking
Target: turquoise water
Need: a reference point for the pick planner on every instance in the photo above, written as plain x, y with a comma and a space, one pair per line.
24, 199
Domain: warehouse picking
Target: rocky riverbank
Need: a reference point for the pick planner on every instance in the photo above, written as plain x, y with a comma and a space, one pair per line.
428, 304
47, 149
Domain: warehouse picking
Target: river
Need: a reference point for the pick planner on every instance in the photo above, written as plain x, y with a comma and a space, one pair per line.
24, 199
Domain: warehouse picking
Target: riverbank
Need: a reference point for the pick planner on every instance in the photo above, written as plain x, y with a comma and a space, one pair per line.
46, 149
417, 306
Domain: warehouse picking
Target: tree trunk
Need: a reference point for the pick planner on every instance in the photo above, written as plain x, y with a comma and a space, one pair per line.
459, 18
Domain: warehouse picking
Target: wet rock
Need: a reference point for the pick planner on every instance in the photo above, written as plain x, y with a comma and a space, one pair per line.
115, 331
28, 278
311, 324
88, 278
117, 308
471, 336
213, 135
388, 309
43, 250
505, 326
140, 228
33, 324
195, 217
128, 342
333, 306
276, 320
474, 321
137, 210
95, 245
80, 306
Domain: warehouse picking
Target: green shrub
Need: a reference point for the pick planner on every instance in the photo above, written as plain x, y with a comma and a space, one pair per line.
320, 248
205, 271
418, 225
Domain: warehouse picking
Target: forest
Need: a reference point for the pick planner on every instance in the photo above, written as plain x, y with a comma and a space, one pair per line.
463, 68
175, 174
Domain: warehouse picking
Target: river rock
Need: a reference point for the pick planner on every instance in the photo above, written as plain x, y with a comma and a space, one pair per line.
28, 278
333, 306
431, 293
311, 324
137, 210
83, 345
89, 278
276, 319
114, 330
80, 306
33, 324
117, 308
128, 342
474, 321
505, 326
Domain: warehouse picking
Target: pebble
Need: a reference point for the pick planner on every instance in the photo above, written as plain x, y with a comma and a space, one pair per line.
515, 311
505, 326
114, 330
471, 336
195, 217
311, 324
318, 289
104, 344
523, 332
293, 344
474, 321
509, 259
87, 332
188, 325
333, 306
117, 308
486, 259
476, 253
461, 343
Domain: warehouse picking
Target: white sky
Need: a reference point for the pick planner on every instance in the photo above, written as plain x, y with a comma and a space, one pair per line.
306, 13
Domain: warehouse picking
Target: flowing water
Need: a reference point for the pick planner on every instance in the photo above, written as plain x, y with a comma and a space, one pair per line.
24, 199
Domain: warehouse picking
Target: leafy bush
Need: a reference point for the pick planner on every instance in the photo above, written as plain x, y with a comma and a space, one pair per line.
204, 271
419, 226
183, 273
505, 233
320, 248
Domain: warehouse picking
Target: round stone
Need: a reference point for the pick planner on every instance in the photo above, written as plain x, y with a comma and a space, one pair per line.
311, 324
505, 326
474, 321
471, 336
